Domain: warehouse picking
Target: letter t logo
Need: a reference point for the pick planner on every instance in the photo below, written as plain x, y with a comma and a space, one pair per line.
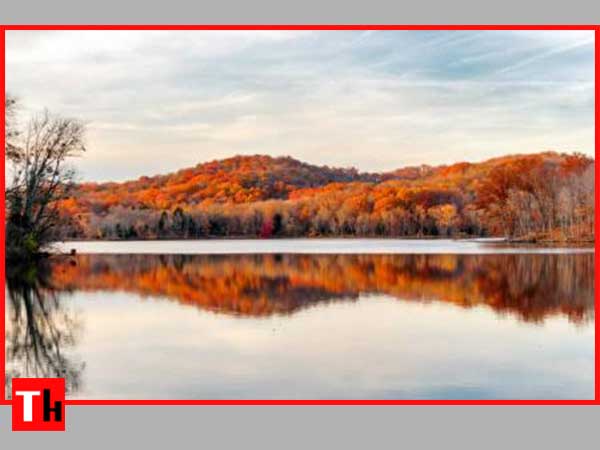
27, 403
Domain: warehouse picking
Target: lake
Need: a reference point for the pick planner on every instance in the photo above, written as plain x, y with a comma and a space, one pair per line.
307, 319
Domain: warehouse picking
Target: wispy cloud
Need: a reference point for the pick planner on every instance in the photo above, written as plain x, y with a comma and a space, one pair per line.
158, 100
589, 42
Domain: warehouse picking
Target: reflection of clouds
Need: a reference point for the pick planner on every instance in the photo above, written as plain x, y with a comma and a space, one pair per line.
323, 97
376, 347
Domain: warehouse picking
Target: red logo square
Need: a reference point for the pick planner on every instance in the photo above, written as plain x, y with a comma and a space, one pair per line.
38, 404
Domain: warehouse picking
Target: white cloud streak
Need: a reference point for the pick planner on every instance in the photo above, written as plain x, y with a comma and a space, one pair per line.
156, 101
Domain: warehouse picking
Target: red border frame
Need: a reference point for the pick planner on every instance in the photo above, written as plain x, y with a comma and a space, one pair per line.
596, 28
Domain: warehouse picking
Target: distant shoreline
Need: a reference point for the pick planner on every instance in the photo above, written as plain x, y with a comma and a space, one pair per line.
489, 240
331, 246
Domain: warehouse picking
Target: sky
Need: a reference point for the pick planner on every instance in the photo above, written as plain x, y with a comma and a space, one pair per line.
158, 101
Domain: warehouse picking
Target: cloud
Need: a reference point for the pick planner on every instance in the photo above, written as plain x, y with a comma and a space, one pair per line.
549, 53
159, 100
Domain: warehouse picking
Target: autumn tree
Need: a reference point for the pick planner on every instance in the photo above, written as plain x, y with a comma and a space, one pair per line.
527, 197
446, 217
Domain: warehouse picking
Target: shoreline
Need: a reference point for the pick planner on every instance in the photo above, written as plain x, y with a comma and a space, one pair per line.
487, 240
313, 246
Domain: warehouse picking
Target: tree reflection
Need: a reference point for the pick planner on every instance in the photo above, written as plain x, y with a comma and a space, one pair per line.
39, 328
531, 287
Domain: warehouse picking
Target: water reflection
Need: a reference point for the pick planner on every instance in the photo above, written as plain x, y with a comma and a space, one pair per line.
305, 326
529, 287
39, 328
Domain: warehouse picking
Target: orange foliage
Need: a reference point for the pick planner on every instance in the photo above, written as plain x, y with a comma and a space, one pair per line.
512, 195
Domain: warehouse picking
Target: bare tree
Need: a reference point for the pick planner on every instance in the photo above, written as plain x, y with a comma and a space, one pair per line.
40, 177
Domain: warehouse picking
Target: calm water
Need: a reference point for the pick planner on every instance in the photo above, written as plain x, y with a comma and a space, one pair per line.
467, 320
310, 246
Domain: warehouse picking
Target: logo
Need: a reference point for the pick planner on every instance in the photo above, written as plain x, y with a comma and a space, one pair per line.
38, 404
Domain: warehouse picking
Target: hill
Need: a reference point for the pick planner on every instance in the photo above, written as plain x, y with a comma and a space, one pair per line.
524, 196
240, 179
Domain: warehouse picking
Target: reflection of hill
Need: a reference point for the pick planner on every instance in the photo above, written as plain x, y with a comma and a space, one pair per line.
531, 287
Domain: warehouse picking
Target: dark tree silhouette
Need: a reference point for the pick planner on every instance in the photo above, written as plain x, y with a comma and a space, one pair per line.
40, 177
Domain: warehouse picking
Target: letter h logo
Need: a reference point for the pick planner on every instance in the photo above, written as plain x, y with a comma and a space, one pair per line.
38, 404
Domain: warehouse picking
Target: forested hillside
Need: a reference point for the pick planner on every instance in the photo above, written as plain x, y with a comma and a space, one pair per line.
545, 196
